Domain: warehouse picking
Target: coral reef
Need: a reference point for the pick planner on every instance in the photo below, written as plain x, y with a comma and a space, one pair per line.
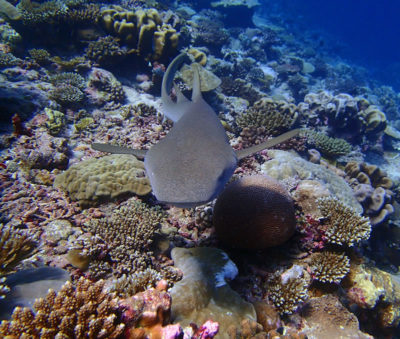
47, 12
326, 317
274, 116
55, 121
15, 245
254, 212
208, 80
95, 180
104, 51
344, 225
327, 145
203, 293
284, 165
75, 311
68, 78
126, 236
329, 266
67, 95
141, 29
288, 289
39, 55
372, 189
8, 60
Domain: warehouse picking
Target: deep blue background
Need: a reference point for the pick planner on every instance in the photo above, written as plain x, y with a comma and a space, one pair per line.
370, 30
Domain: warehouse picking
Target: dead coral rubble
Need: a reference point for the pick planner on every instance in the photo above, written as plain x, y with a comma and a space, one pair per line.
81, 311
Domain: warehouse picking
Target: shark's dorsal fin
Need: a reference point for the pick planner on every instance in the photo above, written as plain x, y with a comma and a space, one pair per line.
138, 153
243, 153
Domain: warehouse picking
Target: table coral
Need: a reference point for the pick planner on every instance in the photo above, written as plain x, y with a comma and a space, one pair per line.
80, 311
254, 212
92, 181
327, 145
203, 293
344, 225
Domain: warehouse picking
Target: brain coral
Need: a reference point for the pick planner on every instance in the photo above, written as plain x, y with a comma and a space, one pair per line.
92, 181
254, 212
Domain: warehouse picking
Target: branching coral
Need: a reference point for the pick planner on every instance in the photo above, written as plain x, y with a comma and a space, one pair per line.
68, 78
105, 50
344, 225
127, 235
33, 12
8, 60
275, 116
84, 311
288, 290
67, 95
15, 245
329, 266
41, 56
327, 145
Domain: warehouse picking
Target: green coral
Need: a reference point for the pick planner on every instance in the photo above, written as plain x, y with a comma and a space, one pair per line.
67, 95
274, 116
68, 78
69, 64
55, 121
327, 145
8, 60
41, 12
83, 123
104, 51
344, 226
41, 56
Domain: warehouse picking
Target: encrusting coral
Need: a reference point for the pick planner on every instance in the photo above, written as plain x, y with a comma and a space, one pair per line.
92, 181
126, 236
15, 245
254, 212
344, 225
82, 311
329, 266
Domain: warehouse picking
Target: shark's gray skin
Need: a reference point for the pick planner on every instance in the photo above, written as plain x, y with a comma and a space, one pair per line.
192, 164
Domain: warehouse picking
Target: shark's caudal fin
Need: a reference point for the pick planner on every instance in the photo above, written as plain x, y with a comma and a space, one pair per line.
172, 110
138, 153
243, 153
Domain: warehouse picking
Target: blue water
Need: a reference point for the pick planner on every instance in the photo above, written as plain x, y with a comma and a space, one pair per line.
368, 30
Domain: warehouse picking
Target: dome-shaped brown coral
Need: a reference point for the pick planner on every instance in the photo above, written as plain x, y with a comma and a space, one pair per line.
254, 212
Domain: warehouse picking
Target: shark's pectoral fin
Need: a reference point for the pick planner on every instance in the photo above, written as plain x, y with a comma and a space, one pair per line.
138, 153
240, 154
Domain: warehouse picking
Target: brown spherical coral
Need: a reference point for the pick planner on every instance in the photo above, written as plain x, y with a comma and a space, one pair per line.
84, 311
344, 225
254, 212
329, 266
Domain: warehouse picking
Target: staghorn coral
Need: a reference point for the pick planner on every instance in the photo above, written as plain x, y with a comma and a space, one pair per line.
327, 145
288, 290
329, 266
141, 29
104, 51
81, 311
275, 116
127, 235
92, 181
254, 212
68, 78
15, 245
344, 225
